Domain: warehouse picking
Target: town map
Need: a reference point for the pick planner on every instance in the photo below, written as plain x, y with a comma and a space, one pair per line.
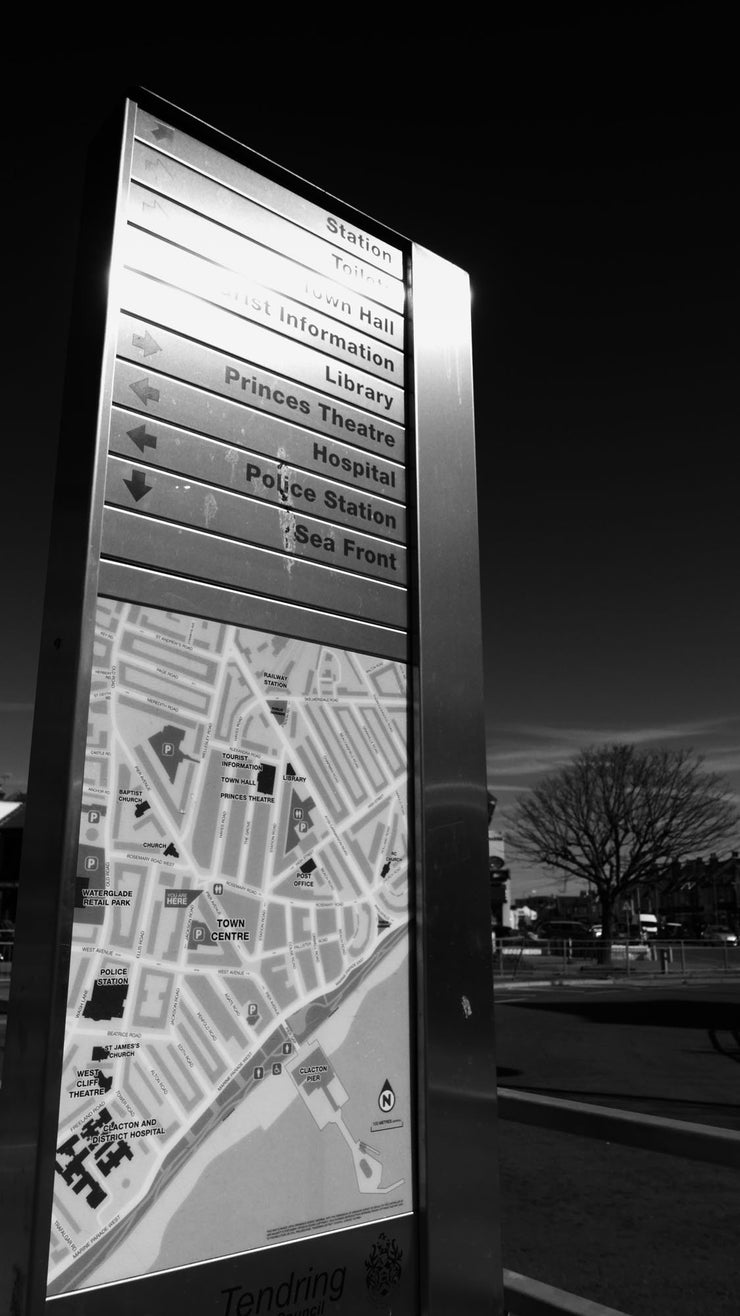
236, 1068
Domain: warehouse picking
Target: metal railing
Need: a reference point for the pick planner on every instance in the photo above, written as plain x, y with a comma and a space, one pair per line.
7, 942
525, 1296
561, 957
698, 1142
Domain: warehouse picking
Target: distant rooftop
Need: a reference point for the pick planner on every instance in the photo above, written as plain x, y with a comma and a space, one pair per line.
8, 811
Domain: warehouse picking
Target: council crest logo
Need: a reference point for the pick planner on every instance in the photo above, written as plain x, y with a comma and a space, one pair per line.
383, 1268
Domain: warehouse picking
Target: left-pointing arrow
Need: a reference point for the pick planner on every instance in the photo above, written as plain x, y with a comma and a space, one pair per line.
144, 391
137, 485
140, 437
145, 341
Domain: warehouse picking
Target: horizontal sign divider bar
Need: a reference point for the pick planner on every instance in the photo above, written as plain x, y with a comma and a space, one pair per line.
224, 330
238, 429
202, 277
147, 491
171, 179
204, 367
238, 177
277, 483
184, 228
197, 598
183, 550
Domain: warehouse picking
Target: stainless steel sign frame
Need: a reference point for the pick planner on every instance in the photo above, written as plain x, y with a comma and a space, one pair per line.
249, 1062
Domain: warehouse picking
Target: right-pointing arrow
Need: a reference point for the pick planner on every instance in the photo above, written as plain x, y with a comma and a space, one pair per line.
140, 437
146, 343
144, 392
138, 485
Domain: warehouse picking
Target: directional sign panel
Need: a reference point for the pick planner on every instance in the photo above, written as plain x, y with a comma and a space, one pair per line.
260, 624
240, 941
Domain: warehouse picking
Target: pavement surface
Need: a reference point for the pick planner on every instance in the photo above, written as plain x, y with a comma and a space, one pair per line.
663, 1049
648, 1233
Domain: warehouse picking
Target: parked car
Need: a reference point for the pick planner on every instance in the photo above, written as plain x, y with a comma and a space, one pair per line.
567, 935
675, 932
717, 936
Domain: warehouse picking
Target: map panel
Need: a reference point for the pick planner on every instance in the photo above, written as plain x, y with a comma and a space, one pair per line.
237, 1052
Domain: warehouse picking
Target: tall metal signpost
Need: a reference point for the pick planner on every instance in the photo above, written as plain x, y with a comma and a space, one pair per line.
249, 1066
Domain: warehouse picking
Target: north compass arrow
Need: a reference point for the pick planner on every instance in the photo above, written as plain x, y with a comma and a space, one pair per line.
140, 437
137, 485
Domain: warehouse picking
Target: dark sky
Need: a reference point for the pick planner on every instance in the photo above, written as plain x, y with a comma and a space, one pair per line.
585, 172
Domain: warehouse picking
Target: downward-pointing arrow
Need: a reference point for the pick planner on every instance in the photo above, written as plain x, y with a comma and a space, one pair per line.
145, 341
140, 437
137, 485
144, 392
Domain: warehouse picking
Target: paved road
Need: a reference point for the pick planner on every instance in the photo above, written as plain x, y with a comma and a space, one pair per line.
647, 1233
658, 1048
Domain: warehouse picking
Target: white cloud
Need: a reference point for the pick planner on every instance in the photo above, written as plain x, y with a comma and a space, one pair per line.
517, 755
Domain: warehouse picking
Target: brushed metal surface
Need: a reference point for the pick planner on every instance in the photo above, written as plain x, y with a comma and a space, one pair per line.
205, 274
178, 224
459, 1227
146, 492
238, 428
188, 552
239, 1285
161, 350
276, 482
237, 177
29, 1096
160, 304
186, 390
197, 598
167, 177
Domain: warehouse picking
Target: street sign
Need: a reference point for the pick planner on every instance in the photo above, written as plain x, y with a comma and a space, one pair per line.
228, 971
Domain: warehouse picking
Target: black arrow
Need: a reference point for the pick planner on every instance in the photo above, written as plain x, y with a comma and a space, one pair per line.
163, 134
140, 437
144, 392
145, 341
138, 485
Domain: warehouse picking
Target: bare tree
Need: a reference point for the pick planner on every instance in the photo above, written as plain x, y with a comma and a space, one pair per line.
617, 815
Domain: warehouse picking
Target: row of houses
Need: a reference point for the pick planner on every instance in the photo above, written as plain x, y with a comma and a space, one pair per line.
691, 895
